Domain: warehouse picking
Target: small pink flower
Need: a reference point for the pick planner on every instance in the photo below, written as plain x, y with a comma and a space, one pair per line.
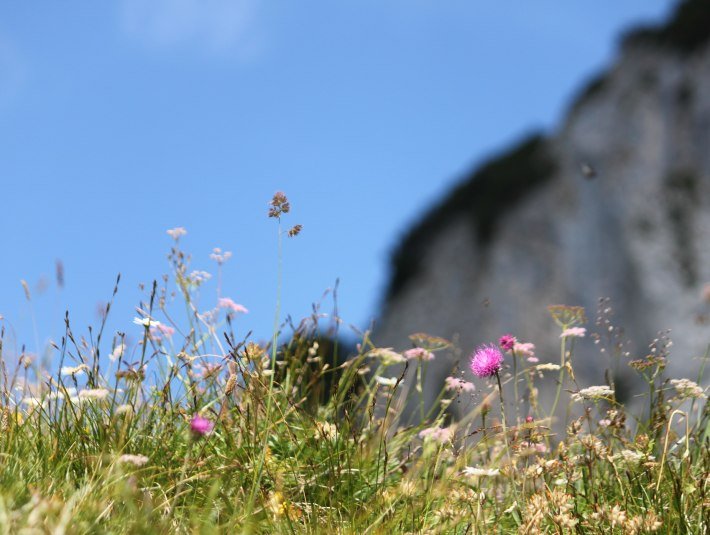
705, 292
200, 426
208, 370
156, 331
226, 302
454, 383
537, 447
418, 353
579, 332
507, 341
439, 434
526, 350
486, 361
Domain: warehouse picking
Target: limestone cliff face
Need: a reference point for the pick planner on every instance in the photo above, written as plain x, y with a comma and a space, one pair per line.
529, 229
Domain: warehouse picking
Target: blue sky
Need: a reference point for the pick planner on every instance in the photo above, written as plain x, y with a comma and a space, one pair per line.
119, 120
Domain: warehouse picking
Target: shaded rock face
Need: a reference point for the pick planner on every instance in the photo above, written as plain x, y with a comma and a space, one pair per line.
529, 229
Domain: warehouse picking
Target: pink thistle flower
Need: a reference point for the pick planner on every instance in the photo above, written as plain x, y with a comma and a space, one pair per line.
486, 361
579, 332
418, 353
507, 341
226, 302
200, 426
454, 383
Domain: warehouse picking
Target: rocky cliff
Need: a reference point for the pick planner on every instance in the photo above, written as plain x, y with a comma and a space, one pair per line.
615, 203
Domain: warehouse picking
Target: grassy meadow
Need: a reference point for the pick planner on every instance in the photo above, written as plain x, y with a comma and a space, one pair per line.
194, 430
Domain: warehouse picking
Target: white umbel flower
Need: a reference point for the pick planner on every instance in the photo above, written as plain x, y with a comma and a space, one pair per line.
74, 370
386, 381
480, 472
93, 393
687, 389
593, 393
135, 460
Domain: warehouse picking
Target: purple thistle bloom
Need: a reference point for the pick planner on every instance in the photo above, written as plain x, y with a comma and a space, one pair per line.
486, 361
507, 341
200, 426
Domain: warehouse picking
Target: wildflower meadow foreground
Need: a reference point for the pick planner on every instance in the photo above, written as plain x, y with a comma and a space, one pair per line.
191, 429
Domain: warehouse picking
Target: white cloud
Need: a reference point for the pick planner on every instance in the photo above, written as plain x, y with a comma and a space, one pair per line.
216, 25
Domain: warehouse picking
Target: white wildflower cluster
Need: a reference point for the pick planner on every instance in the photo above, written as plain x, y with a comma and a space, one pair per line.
198, 277
527, 350
74, 370
687, 389
220, 256
386, 381
66, 393
474, 471
593, 393
91, 394
574, 332
547, 366
94, 393
176, 233
456, 384
632, 457
135, 460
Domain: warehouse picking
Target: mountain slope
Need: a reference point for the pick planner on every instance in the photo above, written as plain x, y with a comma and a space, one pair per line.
529, 229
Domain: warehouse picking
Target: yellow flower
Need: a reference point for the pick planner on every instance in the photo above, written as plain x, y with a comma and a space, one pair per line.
275, 504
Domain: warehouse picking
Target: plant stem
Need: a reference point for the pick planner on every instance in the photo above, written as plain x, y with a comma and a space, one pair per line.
561, 378
269, 398
515, 384
419, 390
505, 436
502, 413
